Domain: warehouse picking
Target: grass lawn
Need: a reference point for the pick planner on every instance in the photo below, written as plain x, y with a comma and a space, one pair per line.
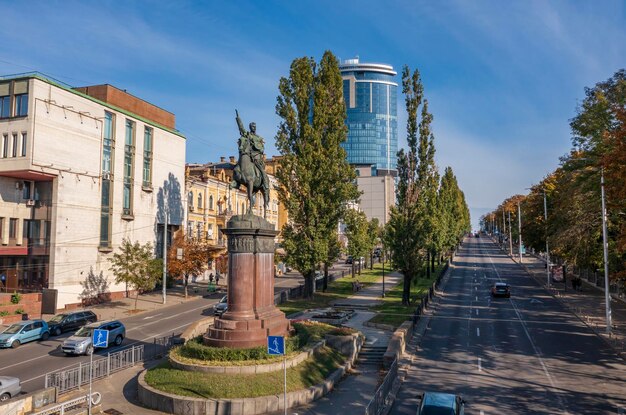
392, 312
214, 385
338, 289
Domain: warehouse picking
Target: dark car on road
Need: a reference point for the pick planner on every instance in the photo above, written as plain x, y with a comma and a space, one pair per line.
81, 343
220, 308
70, 321
435, 403
501, 289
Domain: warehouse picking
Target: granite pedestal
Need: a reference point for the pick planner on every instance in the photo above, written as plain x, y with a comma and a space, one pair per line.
251, 315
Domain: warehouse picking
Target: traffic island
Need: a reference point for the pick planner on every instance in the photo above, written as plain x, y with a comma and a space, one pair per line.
251, 386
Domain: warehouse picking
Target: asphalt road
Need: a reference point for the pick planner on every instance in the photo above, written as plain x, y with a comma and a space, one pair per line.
31, 361
523, 355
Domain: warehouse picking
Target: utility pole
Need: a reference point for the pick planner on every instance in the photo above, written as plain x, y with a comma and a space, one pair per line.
503, 226
545, 213
510, 237
519, 227
164, 257
607, 294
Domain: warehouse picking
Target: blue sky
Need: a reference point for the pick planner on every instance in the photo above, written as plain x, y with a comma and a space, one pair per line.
502, 77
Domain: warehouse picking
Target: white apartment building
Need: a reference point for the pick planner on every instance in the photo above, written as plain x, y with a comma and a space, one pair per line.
80, 170
378, 193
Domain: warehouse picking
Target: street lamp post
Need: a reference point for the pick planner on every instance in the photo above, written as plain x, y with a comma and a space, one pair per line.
519, 227
383, 255
545, 213
607, 295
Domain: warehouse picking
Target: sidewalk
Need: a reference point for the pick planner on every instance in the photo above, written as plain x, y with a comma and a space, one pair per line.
588, 304
119, 392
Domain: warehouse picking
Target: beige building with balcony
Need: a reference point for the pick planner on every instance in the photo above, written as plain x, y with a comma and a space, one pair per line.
80, 170
211, 202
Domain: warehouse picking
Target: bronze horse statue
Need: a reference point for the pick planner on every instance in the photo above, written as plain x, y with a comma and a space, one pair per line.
250, 168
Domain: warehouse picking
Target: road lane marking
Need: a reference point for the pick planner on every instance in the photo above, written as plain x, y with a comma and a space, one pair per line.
477, 332
482, 413
104, 357
149, 317
480, 367
532, 344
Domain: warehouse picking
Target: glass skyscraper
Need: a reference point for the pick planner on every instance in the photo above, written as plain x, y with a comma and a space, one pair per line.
371, 95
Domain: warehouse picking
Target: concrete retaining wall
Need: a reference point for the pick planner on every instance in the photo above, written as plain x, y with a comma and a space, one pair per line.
196, 329
182, 405
397, 343
25, 404
246, 370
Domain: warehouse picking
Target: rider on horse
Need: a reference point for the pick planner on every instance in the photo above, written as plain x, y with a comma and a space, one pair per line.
252, 145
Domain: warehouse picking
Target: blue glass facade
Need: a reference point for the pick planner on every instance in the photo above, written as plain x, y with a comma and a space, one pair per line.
371, 95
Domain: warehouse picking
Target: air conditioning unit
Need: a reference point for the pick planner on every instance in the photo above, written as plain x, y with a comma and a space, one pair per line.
106, 176
127, 212
191, 208
30, 202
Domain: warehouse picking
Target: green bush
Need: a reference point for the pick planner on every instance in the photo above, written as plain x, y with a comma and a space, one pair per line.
306, 333
4, 313
20, 311
16, 298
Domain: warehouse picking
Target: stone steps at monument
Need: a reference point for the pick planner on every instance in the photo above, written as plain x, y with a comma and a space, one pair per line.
371, 355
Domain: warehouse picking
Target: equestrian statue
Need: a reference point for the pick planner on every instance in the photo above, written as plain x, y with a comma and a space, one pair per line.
250, 168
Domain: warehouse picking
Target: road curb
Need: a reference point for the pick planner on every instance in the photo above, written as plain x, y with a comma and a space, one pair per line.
420, 330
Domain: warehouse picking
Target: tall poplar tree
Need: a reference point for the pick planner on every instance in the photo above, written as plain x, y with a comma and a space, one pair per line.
314, 170
404, 233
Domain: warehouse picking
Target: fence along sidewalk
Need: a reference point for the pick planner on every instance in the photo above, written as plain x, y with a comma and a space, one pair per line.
74, 378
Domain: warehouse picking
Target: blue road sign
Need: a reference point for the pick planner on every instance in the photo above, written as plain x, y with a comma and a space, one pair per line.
100, 338
275, 345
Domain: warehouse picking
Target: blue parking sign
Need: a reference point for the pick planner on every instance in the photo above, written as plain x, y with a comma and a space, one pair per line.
275, 345
100, 338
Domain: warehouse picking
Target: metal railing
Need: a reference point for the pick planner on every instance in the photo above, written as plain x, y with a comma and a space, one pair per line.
74, 378
69, 405
381, 398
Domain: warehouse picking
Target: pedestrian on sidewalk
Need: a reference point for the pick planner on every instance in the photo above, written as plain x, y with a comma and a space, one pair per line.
217, 279
211, 278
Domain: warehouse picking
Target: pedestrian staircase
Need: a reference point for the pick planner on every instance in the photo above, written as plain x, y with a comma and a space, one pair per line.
371, 355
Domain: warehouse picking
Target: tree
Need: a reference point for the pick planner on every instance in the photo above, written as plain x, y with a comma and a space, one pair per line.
314, 170
136, 266
405, 233
357, 229
194, 259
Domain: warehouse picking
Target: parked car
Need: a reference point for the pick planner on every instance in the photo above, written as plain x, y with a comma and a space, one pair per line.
220, 308
378, 252
349, 259
23, 332
81, 343
501, 289
70, 321
435, 403
9, 387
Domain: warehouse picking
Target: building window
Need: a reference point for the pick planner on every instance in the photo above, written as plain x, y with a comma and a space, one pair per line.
23, 144
26, 190
12, 228
106, 200
5, 106
211, 202
14, 149
199, 200
200, 225
147, 157
21, 105
5, 145
190, 229
209, 234
129, 151
190, 199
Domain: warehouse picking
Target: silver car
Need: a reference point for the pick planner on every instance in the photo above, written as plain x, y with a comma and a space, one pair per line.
9, 387
81, 343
